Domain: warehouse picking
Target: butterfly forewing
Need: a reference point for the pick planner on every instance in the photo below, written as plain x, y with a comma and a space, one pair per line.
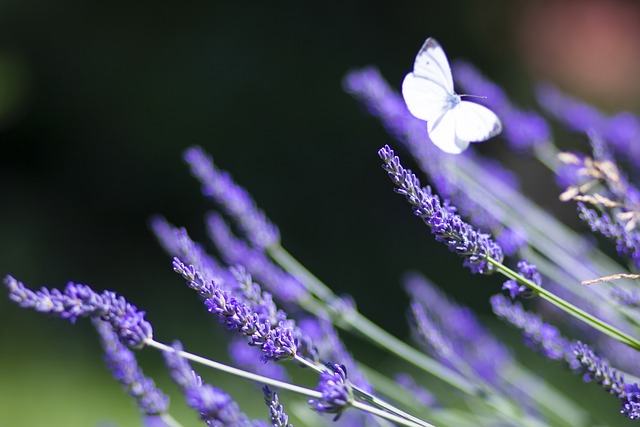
431, 63
425, 98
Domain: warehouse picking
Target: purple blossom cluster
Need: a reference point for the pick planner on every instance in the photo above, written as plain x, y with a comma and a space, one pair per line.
621, 130
233, 199
337, 394
216, 408
627, 241
522, 129
81, 301
600, 371
123, 365
627, 298
453, 331
421, 394
279, 418
276, 342
447, 226
235, 251
528, 271
539, 336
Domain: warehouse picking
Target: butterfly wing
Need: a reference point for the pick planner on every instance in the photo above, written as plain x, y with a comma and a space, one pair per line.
443, 132
475, 122
431, 63
425, 99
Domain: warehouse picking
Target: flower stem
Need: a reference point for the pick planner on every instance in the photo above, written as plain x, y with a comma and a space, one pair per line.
569, 308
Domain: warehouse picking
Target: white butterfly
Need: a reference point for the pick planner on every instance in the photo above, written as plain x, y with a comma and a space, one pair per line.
428, 93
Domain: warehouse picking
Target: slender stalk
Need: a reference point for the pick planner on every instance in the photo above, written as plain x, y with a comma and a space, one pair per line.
238, 372
356, 322
569, 308
291, 387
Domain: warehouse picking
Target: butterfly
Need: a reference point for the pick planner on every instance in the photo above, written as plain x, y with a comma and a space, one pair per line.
451, 122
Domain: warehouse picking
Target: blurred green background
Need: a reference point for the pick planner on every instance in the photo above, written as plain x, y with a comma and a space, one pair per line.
97, 102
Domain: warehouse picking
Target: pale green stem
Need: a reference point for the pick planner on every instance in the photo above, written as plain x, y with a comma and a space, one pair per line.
378, 336
235, 371
282, 385
372, 332
569, 308
170, 421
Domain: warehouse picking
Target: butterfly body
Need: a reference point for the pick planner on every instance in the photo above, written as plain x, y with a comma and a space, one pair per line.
452, 122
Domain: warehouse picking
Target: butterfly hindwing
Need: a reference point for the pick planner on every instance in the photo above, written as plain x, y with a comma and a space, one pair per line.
443, 133
475, 122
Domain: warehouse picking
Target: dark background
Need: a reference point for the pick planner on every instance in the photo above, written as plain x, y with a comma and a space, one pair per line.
97, 102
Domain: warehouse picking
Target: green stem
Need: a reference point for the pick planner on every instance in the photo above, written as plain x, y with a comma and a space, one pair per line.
569, 308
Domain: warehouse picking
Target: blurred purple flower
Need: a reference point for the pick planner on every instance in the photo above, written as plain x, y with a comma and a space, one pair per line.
538, 335
81, 301
216, 408
233, 199
124, 367
522, 129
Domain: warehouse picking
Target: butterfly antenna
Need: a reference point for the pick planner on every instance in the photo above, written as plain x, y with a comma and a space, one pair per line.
473, 96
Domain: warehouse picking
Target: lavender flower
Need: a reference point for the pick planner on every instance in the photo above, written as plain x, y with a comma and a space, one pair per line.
122, 363
627, 298
336, 391
235, 200
330, 347
627, 241
454, 331
528, 271
598, 370
235, 251
445, 224
248, 358
522, 129
81, 301
177, 243
279, 418
621, 130
538, 335
277, 343
421, 394
216, 407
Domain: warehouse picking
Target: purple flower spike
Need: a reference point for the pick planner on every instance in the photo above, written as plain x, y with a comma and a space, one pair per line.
279, 418
81, 301
421, 394
530, 272
277, 342
336, 391
215, 406
599, 370
538, 335
235, 200
627, 241
122, 363
631, 401
445, 224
